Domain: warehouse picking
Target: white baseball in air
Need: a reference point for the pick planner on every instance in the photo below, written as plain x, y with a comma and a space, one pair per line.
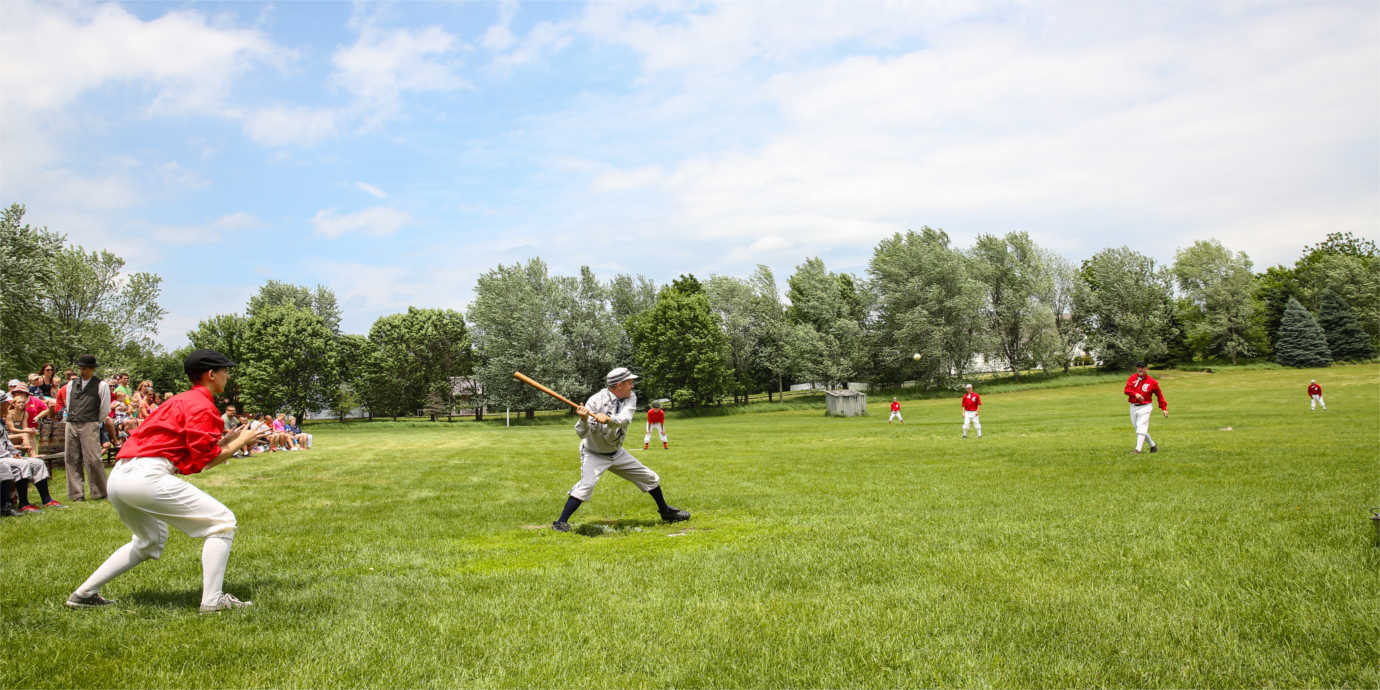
915, 356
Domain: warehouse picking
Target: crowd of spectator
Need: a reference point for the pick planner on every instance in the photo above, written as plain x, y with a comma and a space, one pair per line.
35, 413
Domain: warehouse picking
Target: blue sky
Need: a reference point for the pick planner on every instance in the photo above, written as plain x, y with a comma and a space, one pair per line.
394, 151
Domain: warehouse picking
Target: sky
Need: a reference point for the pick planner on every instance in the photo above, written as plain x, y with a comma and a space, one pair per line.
393, 152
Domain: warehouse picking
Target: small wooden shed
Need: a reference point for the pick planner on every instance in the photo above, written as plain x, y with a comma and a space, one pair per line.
845, 403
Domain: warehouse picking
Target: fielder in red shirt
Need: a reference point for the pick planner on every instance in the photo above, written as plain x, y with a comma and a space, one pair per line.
656, 419
895, 412
971, 402
1139, 390
185, 435
1315, 396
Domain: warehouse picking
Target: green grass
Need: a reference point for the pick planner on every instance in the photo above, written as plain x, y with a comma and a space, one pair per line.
822, 553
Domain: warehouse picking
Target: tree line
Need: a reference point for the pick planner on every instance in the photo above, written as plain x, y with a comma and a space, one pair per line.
723, 338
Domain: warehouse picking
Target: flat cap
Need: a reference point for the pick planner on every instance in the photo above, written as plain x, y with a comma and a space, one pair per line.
205, 360
618, 375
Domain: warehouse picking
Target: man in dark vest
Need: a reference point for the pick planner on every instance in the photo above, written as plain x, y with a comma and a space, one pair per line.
87, 402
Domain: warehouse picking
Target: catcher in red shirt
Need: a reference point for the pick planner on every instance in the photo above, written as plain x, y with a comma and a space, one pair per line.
185, 435
1315, 396
656, 419
1140, 388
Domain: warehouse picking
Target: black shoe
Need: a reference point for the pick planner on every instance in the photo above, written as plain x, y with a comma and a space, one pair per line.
88, 601
1154, 449
674, 514
7, 511
560, 526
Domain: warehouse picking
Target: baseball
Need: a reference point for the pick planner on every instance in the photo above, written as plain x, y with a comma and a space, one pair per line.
915, 356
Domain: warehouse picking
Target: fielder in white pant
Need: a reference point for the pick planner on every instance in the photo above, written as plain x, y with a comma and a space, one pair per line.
971, 402
1140, 389
185, 435
1315, 396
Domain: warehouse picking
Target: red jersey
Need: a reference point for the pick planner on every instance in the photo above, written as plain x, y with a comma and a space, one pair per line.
656, 415
1139, 391
895, 406
185, 430
971, 401
1314, 389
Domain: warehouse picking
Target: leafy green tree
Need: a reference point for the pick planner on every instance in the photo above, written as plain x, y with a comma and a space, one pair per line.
591, 334
827, 340
1126, 308
1301, 341
1345, 338
928, 303
514, 323
770, 357
1058, 349
94, 307
417, 353
628, 296
1220, 311
320, 301
226, 334
361, 381
25, 324
680, 345
1355, 279
1012, 274
1274, 288
289, 361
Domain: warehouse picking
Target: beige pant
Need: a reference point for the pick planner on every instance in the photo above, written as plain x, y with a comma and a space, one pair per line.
621, 463
82, 456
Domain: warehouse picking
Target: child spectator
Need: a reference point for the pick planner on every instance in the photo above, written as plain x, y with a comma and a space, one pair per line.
18, 472
24, 436
303, 439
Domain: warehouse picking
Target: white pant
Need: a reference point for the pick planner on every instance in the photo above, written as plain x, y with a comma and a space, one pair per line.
18, 469
971, 418
148, 496
621, 463
1314, 401
660, 430
895, 414
1140, 419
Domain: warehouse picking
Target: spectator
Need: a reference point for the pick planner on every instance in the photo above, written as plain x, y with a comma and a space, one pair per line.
35, 385
229, 418
17, 472
16, 420
87, 402
47, 375
60, 396
303, 438
289, 439
122, 386
146, 399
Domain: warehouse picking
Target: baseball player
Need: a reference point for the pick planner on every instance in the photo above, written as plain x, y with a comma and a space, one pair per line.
895, 412
185, 435
1140, 388
604, 420
656, 419
971, 402
1315, 396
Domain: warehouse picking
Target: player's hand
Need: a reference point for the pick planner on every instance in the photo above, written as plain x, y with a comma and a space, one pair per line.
600, 417
1166, 413
582, 411
230, 436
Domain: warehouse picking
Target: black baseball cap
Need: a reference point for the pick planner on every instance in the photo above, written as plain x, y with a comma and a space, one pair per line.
1140, 363
205, 360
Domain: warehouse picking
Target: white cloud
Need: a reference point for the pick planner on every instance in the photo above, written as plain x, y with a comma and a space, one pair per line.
543, 40
240, 220
383, 64
371, 190
292, 126
499, 36
379, 221
1000, 128
175, 175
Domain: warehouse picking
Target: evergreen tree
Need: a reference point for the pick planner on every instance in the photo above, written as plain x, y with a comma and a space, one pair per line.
1345, 337
1301, 341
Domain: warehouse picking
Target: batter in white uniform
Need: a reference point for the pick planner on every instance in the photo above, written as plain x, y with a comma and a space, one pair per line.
604, 420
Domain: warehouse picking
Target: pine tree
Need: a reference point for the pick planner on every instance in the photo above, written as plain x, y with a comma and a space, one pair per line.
1301, 341
1345, 337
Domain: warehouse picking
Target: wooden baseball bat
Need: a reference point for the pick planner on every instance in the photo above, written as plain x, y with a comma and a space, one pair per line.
528, 380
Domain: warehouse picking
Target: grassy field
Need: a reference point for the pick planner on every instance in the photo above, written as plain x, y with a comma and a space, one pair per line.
822, 553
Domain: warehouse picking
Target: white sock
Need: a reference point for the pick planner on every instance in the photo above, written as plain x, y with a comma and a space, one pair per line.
122, 560
1140, 441
215, 554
